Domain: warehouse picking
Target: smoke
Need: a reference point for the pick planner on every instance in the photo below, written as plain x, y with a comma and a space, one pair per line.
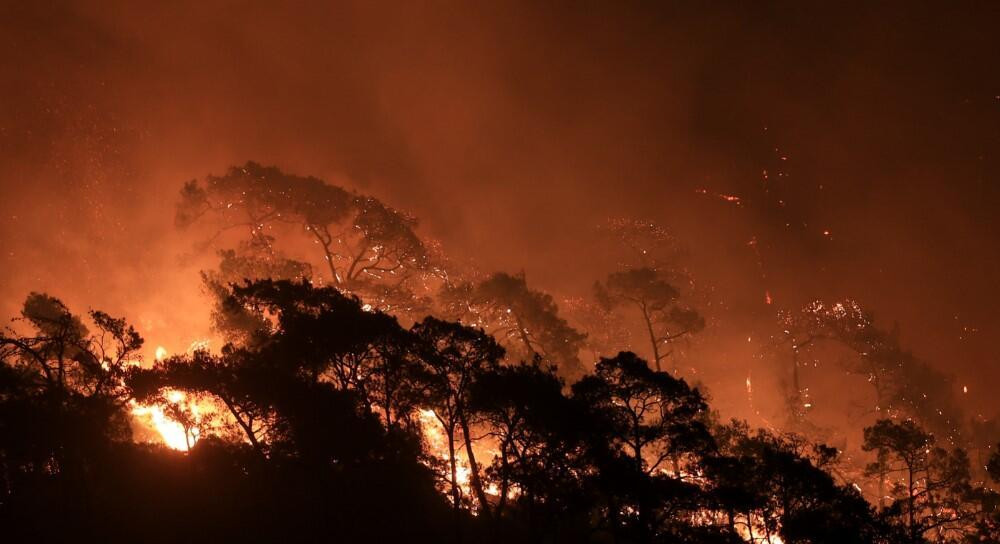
512, 132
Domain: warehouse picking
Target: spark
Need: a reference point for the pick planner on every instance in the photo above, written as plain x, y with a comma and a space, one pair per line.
722, 196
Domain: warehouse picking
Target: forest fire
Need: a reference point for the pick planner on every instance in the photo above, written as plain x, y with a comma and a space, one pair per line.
515, 272
171, 431
437, 444
508, 413
177, 418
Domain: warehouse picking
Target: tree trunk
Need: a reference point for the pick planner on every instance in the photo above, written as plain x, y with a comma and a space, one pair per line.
652, 336
455, 496
477, 483
524, 336
325, 243
912, 515
247, 427
881, 486
505, 482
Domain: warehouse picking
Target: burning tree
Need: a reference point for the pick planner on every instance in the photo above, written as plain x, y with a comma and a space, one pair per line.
901, 383
524, 320
540, 437
304, 340
649, 418
453, 356
366, 247
932, 495
665, 318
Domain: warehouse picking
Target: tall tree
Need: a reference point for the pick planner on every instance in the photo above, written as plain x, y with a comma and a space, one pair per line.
366, 247
454, 356
653, 419
647, 244
665, 318
536, 431
933, 496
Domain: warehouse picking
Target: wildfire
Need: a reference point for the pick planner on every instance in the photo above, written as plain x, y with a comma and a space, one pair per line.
436, 442
437, 445
174, 434
179, 418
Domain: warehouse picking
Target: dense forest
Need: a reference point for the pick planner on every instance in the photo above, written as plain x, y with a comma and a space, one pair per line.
371, 388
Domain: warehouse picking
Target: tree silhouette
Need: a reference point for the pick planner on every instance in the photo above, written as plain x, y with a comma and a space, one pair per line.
302, 332
664, 318
62, 410
64, 357
524, 320
368, 248
651, 418
249, 262
770, 485
539, 434
317, 435
934, 493
453, 356
901, 383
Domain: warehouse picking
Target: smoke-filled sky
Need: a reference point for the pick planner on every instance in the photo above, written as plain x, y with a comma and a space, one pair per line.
862, 140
